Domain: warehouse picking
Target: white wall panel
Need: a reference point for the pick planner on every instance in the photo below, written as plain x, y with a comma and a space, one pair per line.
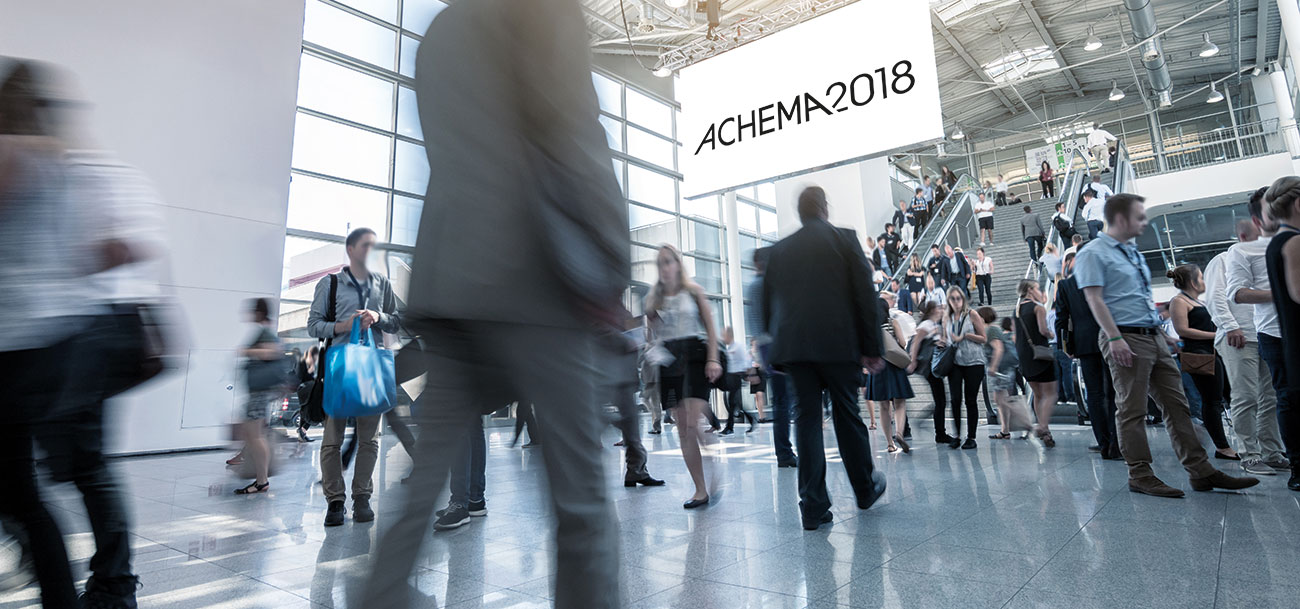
199, 96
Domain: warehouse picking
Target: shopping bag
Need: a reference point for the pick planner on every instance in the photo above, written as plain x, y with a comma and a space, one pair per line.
1016, 412
360, 378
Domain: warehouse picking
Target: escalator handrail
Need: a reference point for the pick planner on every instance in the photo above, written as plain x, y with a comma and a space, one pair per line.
965, 185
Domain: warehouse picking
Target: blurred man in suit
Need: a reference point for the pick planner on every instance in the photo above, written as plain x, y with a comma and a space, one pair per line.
820, 308
1077, 331
517, 157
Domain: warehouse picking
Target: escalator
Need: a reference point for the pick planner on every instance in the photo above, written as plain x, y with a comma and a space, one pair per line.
952, 222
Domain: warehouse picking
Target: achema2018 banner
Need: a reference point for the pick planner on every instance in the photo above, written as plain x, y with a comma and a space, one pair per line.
856, 82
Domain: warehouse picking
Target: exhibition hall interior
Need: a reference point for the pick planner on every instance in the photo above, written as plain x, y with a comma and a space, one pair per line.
650, 304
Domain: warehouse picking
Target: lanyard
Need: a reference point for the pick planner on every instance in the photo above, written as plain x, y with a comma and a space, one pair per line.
362, 297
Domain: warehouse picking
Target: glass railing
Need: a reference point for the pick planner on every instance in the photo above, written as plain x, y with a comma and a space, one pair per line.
952, 222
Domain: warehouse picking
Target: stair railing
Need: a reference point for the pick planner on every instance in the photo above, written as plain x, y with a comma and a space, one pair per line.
1076, 178
952, 218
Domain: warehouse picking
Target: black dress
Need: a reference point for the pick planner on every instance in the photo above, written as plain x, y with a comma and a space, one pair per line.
1288, 313
1209, 386
1027, 336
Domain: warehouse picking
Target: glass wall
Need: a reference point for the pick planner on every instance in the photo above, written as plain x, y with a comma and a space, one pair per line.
1189, 237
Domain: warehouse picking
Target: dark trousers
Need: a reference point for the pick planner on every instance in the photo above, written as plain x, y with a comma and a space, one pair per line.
841, 382
922, 220
469, 473
1049, 188
524, 418
33, 378
1288, 402
402, 429
1065, 375
1099, 392
984, 283
629, 423
735, 400
1036, 247
965, 382
1095, 227
1001, 199
940, 400
778, 396
1211, 390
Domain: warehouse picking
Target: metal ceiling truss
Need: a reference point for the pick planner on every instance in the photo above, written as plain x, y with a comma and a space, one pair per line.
749, 29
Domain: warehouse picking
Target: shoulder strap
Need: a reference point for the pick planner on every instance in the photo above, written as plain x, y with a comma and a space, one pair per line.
331, 313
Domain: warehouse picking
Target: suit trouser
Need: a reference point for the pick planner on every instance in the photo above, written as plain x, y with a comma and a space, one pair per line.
736, 400
1100, 396
1095, 227
1288, 399
841, 382
779, 398
469, 472
984, 283
1153, 372
629, 423
331, 462
471, 363
1254, 403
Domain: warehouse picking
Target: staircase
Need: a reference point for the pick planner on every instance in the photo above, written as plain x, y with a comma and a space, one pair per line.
1010, 252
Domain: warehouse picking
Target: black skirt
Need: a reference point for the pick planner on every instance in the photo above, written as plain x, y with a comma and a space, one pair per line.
685, 377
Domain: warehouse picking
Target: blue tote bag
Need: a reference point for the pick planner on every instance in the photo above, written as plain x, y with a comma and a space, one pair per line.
359, 377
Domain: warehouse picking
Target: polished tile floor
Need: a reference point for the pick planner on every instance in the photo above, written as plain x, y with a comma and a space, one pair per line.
1007, 525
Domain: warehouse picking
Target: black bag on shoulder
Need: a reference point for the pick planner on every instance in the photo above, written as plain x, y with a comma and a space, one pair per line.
313, 408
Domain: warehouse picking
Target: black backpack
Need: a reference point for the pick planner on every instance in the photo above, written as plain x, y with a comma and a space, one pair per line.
1063, 226
312, 409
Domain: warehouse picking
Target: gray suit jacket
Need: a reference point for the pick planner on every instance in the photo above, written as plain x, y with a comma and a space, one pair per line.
510, 122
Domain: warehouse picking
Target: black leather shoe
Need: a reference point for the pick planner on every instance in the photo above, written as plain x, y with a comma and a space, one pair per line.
968, 444
1095, 448
955, 443
694, 503
1294, 482
790, 463
877, 491
646, 481
942, 439
813, 525
361, 511
335, 514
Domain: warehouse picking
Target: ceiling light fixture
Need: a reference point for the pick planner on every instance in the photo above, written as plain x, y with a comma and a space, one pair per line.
1115, 93
916, 165
957, 134
1209, 49
663, 72
1215, 97
1256, 71
1166, 99
1093, 42
677, 3
1150, 52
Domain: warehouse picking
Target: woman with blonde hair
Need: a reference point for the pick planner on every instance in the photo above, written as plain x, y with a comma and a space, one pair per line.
965, 333
682, 322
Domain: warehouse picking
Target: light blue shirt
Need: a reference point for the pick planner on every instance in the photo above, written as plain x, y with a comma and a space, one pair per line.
1122, 274
928, 193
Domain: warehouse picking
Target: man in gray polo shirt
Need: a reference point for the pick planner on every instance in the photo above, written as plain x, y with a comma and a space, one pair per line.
1116, 281
362, 294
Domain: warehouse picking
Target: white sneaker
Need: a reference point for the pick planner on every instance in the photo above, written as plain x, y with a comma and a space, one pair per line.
1257, 467
1279, 463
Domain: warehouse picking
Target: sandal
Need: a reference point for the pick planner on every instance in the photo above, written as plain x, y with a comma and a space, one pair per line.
1046, 438
871, 427
1001, 435
254, 488
893, 449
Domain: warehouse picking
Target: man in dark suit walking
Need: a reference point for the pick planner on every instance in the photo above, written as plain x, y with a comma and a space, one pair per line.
956, 269
819, 306
515, 154
1074, 321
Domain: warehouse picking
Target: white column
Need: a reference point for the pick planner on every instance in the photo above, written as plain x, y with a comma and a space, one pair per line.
1285, 110
1290, 12
734, 277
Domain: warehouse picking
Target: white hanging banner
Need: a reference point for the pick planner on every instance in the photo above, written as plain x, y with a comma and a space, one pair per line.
857, 82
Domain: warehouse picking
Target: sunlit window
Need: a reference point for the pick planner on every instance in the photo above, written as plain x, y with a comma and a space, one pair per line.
1022, 63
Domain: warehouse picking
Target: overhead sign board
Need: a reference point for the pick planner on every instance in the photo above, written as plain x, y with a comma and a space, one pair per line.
857, 82
1056, 154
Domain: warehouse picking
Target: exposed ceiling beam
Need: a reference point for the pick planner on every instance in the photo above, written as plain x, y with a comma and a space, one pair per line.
599, 18
1056, 50
1261, 33
671, 14
970, 61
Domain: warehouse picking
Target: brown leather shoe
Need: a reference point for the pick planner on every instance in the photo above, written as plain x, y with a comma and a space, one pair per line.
1151, 485
1221, 480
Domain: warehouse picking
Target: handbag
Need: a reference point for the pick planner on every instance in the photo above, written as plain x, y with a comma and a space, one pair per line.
1042, 353
270, 375
143, 345
894, 353
945, 356
360, 378
1201, 364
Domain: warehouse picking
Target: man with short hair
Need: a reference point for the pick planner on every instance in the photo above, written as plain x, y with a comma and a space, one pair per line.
921, 207
1100, 191
1254, 403
983, 209
889, 241
1094, 212
1248, 283
1075, 243
956, 269
1098, 145
1031, 228
1064, 224
936, 265
778, 389
905, 221
820, 307
364, 295
1116, 282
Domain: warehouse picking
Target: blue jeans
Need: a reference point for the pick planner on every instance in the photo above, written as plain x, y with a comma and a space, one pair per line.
779, 397
1065, 373
1288, 415
469, 474
1094, 227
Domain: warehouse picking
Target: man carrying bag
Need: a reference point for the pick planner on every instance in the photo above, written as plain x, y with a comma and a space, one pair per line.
366, 298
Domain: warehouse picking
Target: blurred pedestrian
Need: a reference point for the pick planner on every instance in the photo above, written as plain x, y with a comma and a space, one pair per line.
264, 349
515, 151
